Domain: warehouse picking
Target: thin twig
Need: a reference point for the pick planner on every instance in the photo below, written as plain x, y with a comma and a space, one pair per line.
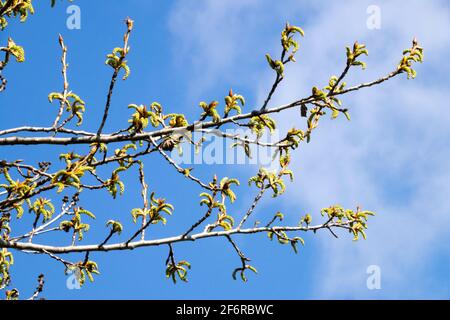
39, 288
65, 83
114, 76
279, 78
202, 219
179, 169
253, 206
144, 198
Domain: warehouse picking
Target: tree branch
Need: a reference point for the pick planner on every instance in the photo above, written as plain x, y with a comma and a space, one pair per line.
152, 243
107, 139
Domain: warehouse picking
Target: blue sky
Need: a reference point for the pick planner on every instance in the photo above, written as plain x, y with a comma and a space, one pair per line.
391, 158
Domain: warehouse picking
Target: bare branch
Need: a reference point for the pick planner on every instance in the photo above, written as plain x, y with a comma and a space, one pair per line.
39, 288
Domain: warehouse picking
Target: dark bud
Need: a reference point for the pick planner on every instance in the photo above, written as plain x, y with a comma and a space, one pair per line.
168, 145
304, 111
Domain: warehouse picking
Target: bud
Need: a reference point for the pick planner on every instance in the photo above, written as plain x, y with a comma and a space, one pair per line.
130, 24
61, 41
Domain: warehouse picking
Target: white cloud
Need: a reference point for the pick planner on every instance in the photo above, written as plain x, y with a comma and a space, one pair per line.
207, 33
391, 158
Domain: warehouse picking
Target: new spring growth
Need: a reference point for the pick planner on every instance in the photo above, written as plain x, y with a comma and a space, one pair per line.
73, 103
414, 54
209, 110
232, 102
85, 268
155, 213
76, 224
276, 65
6, 260
353, 54
26, 188
116, 59
288, 42
15, 50
178, 270
290, 46
15, 8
